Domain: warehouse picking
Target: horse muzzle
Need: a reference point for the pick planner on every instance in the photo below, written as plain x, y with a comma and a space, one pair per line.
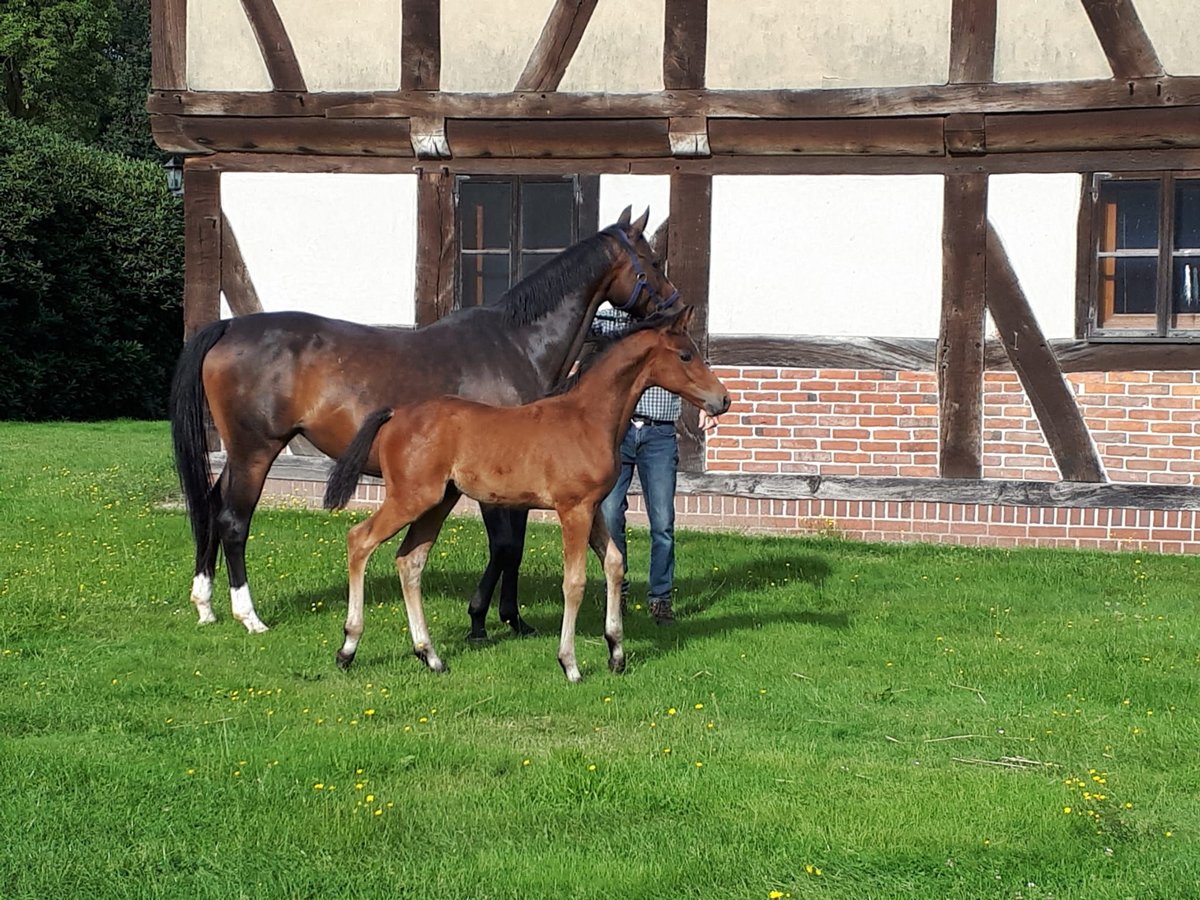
717, 406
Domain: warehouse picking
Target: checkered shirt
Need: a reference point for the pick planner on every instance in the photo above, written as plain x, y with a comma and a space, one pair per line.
655, 403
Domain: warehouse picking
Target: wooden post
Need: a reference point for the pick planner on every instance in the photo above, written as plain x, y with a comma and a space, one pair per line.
201, 247
689, 244
960, 338
437, 245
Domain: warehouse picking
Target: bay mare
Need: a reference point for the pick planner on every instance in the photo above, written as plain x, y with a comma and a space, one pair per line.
558, 453
269, 377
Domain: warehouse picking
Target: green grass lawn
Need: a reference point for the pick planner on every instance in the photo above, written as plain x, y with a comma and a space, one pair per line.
826, 718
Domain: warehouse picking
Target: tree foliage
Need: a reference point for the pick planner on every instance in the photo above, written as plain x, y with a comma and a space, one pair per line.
91, 280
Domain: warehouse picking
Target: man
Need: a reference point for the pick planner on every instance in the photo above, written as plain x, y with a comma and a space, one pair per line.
652, 448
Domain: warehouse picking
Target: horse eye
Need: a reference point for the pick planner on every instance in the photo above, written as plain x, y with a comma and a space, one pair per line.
685, 355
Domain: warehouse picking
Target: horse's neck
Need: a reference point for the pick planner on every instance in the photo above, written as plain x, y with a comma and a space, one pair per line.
610, 389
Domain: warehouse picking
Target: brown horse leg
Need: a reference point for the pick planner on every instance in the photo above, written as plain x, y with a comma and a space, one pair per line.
614, 573
576, 525
506, 545
410, 563
361, 542
241, 485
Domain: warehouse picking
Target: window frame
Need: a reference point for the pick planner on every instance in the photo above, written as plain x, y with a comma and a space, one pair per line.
1160, 330
584, 221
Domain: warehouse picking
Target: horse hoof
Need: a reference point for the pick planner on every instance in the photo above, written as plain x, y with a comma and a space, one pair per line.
617, 665
521, 628
343, 660
477, 636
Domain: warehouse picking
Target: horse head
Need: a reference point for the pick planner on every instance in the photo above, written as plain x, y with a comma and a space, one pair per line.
639, 285
676, 363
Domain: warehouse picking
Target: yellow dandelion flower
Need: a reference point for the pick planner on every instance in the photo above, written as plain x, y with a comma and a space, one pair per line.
698, 706
370, 798
1067, 810
671, 711
378, 812
369, 712
666, 749
319, 786
699, 765
592, 767
423, 719
524, 762
775, 895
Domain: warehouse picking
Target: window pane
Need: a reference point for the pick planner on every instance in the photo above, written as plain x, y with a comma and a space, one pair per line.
1129, 285
1130, 210
547, 212
484, 210
1186, 290
1187, 214
531, 262
484, 278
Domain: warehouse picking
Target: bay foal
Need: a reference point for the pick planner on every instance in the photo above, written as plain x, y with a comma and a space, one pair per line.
558, 453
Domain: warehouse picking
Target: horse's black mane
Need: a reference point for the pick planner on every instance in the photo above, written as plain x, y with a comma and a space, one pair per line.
543, 291
600, 344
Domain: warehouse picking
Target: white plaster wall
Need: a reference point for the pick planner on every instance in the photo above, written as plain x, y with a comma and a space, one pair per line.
640, 192
826, 255
1036, 217
338, 245
1173, 26
1048, 40
485, 45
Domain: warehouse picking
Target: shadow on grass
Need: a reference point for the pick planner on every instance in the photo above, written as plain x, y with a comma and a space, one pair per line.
706, 605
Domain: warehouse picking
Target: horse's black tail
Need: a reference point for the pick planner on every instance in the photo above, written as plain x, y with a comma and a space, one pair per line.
343, 478
188, 433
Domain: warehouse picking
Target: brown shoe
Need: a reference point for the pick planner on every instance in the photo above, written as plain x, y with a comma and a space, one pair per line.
661, 612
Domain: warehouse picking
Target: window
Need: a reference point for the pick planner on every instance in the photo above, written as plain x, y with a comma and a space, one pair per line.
1146, 280
510, 225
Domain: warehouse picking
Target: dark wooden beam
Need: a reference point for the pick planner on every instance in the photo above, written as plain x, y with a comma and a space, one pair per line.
994, 163
961, 337
877, 102
168, 45
1123, 37
272, 135
201, 248
276, 46
685, 44
916, 136
1133, 129
421, 46
988, 492
1033, 360
556, 45
604, 138
919, 354
689, 248
236, 283
437, 246
972, 41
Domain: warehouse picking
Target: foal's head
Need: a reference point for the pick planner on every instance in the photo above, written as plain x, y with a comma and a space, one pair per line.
639, 286
675, 363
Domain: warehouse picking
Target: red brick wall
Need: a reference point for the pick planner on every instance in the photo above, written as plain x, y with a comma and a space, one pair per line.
852, 423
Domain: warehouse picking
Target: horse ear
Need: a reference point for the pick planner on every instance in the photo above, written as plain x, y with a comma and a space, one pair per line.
640, 224
623, 221
681, 320
658, 242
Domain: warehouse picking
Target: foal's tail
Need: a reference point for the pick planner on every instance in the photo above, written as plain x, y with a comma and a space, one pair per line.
189, 435
343, 478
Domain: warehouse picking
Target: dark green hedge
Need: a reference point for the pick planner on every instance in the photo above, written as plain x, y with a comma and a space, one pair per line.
91, 280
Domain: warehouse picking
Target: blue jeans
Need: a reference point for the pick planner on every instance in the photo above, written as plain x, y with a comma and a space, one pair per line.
654, 450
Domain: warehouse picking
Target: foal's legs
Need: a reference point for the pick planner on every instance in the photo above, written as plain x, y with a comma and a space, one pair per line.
614, 573
576, 526
207, 548
506, 545
240, 486
410, 563
361, 542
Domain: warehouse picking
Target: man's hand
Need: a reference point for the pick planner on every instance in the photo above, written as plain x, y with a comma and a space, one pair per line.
707, 422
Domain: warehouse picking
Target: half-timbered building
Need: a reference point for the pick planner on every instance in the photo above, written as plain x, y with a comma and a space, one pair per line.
946, 254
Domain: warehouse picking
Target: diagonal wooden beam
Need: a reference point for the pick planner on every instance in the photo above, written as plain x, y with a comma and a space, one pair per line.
276, 46
236, 283
556, 46
972, 41
960, 347
1126, 44
168, 44
420, 45
685, 44
1036, 365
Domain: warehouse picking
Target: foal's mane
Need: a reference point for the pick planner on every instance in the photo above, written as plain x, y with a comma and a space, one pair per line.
543, 291
601, 344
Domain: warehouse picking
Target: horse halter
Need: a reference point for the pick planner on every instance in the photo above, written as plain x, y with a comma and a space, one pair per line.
641, 283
